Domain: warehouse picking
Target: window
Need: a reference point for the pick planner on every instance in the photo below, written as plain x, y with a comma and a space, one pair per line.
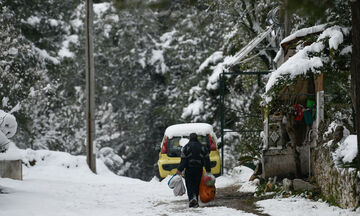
175, 144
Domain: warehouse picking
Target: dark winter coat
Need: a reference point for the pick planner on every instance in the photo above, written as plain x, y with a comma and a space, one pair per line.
194, 155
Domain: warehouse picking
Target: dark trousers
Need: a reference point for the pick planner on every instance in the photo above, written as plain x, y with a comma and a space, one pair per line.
192, 180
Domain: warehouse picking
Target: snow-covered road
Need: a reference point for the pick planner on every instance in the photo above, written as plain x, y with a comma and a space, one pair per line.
62, 185
73, 192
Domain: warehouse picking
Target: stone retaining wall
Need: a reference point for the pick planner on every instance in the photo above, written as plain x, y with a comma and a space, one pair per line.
11, 169
281, 162
341, 185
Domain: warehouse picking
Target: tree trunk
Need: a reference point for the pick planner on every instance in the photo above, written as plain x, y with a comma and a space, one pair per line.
285, 19
355, 67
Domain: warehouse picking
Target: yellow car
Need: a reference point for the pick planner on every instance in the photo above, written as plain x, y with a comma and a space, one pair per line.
176, 137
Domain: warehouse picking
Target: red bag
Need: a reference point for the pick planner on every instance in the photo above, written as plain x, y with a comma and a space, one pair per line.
206, 193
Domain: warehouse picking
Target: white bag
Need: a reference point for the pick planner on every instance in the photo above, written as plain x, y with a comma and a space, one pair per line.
176, 183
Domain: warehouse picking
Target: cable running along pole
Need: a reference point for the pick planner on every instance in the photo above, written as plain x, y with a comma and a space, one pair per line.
90, 87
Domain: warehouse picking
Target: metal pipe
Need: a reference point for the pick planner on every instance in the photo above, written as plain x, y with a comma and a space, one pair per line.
222, 119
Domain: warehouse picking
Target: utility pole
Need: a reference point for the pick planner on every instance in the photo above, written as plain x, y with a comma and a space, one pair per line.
90, 87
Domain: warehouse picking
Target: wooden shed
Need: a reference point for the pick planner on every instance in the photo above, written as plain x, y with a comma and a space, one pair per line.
291, 122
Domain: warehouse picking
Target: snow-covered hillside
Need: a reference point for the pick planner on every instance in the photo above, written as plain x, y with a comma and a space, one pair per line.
60, 184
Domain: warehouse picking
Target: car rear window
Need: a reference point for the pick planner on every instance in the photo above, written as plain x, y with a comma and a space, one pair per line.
175, 144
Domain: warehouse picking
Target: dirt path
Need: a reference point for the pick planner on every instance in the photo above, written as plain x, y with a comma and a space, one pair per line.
225, 197
231, 198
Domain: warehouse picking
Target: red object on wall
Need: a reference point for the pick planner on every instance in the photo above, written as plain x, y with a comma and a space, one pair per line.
299, 114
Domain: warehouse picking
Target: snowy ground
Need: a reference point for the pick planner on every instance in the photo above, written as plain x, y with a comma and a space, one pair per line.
60, 184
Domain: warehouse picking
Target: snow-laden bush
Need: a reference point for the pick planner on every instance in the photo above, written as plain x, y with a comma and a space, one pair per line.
113, 161
342, 145
8, 127
347, 151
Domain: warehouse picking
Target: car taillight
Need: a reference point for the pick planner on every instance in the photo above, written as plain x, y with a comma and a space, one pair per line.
212, 144
164, 146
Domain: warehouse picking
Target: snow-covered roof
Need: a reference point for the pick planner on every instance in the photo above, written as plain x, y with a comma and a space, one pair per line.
298, 64
303, 62
303, 32
188, 128
299, 33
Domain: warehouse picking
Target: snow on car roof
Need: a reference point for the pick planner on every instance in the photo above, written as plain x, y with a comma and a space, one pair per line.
188, 128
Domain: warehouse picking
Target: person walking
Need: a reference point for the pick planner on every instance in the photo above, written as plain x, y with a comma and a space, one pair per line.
194, 156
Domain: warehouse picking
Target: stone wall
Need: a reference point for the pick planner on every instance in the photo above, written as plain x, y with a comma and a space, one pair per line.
340, 185
11, 169
281, 162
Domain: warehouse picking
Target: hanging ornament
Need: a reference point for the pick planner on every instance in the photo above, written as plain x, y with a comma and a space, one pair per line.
299, 113
308, 117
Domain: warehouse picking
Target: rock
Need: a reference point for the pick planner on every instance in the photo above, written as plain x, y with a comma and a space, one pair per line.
250, 186
287, 184
338, 134
299, 184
